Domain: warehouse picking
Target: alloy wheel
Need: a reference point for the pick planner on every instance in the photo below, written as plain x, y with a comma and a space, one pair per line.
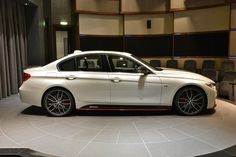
190, 101
58, 102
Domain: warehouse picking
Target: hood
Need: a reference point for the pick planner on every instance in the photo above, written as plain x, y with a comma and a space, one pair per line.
177, 73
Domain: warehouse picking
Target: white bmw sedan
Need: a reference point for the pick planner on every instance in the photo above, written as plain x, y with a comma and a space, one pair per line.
106, 80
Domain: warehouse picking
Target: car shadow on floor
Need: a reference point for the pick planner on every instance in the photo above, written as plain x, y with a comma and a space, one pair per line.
38, 111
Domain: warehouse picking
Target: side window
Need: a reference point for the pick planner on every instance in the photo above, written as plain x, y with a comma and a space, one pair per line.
122, 64
89, 63
68, 65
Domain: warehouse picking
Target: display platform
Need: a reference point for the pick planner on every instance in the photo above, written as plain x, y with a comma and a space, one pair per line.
97, 133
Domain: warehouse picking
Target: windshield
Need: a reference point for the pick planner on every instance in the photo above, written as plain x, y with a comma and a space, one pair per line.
146, 63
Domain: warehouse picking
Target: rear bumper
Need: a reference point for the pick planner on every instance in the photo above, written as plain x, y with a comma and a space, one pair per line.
28, 96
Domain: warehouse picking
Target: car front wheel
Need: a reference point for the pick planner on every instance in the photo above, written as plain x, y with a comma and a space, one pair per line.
58, 102
190, 101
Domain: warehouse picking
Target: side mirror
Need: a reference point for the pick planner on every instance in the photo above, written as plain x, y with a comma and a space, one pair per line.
143, 70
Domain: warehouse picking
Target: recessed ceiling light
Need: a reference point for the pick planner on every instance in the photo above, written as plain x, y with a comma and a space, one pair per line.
26, 3
63, 23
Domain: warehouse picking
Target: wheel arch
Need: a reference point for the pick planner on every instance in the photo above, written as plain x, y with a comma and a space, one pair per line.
56, 87
189, 85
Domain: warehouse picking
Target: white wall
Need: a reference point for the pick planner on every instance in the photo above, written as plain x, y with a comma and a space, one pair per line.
160, 24
210, 19
100, 24
60, 45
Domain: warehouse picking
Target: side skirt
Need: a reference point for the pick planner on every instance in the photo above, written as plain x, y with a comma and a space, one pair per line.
124, 108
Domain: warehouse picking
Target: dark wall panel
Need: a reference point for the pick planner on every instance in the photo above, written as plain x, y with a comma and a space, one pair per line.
113, 43
149, 45
202, 44
199, 44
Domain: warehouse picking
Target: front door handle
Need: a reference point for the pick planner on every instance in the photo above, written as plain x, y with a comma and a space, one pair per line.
71, 77
115, 80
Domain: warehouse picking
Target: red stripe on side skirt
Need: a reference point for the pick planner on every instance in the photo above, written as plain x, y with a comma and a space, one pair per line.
123, 109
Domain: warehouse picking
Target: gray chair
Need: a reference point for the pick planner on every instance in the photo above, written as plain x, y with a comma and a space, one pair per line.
209, 69
210, 73
155, 63
172, 64
225, 89
190, 65
208, 64
226, 66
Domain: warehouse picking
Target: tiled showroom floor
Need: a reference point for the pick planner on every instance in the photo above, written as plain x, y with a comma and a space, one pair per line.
96, 134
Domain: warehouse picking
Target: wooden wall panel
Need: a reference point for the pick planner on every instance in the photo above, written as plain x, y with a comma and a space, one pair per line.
232, 47
137, 24
107, 6
183, 4
211, 19
144, 5
233, 15
100, 24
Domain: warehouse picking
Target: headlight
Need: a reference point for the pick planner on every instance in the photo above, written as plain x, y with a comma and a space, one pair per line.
211, 84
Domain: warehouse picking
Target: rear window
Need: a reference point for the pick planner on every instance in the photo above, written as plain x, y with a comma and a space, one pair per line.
91, 63
68, 65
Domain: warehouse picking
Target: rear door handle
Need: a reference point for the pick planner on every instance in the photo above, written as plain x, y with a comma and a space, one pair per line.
71, 77
115, 80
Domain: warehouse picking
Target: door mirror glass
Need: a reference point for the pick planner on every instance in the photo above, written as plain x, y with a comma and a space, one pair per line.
142, 69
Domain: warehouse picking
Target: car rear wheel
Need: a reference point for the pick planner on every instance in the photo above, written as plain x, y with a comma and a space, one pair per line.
58, 102
190, 101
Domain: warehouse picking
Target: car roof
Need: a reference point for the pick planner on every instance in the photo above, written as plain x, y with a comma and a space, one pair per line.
78, 52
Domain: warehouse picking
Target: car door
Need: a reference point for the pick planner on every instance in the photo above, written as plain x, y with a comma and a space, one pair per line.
89, 80
128, 86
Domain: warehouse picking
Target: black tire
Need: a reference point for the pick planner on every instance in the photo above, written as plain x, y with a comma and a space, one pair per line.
190, 101
58, 102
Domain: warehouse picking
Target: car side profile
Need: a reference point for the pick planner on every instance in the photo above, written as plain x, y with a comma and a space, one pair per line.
108, 80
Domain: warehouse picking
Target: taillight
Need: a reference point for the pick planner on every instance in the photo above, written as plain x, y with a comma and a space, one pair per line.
26, 76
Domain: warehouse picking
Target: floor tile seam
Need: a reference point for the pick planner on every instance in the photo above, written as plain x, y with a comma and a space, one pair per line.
168, 141
51, 134
135, 143
1, 133
117, 138
185, 133
5, 135
145, 145
77, 154
196, 138
163, 135
87, 128
32, 139
32, 123
79, 126
218, 149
